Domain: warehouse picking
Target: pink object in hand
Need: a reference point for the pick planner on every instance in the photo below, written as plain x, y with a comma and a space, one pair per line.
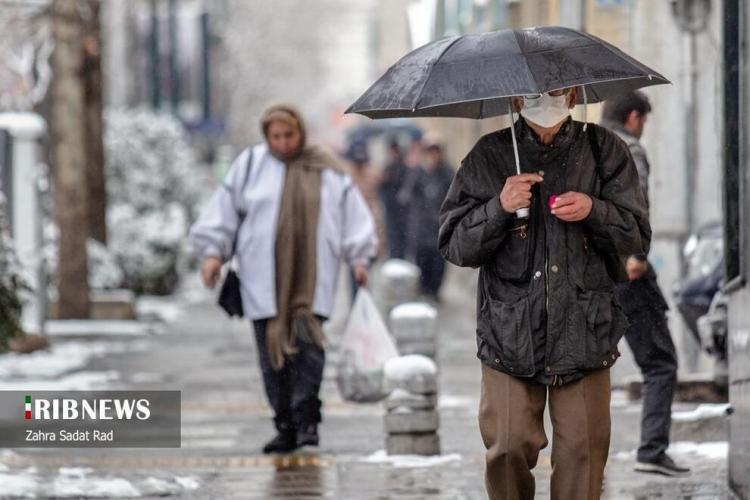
552, 200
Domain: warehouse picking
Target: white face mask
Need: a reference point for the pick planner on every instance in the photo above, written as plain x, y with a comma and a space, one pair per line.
546, 110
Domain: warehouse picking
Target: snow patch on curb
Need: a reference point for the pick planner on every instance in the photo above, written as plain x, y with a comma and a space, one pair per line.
398, 461
82, 482
713, 450
702, 412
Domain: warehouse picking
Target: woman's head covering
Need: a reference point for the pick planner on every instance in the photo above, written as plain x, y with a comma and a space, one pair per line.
285, 113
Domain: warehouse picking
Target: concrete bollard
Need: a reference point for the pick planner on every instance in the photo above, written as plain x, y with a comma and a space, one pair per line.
412, 420
398, 282
414, 326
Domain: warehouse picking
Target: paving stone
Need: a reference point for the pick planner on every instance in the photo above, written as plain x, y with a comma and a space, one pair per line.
400, 398
413, 444
411, 421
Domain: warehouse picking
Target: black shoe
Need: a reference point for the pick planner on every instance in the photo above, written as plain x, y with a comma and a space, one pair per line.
307, 435
284, 442
662, 465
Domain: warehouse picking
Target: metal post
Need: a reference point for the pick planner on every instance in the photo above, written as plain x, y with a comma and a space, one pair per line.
174, 76
154, 58
206, 53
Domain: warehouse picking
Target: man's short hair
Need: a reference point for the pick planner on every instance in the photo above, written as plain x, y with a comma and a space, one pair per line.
619, 107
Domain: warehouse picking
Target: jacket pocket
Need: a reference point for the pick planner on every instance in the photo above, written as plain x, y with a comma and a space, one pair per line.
510, 335
599, 326
513, 258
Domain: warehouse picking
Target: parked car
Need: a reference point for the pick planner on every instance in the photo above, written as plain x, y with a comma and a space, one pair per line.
704, 253
699, 299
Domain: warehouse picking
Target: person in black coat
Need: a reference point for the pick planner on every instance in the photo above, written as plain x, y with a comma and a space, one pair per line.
425, 187
648, 334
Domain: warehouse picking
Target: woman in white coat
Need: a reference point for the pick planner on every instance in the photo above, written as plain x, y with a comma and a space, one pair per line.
303, 217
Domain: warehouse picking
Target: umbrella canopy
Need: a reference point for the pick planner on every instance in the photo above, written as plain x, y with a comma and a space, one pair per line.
474, 76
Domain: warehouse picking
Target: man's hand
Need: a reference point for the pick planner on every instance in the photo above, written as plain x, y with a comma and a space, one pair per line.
516, 192
360, 275
210, 270
636, 268
572, 206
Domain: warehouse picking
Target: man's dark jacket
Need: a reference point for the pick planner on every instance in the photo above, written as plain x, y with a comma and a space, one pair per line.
545, 305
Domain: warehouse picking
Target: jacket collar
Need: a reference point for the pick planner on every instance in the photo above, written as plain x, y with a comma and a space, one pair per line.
532, 148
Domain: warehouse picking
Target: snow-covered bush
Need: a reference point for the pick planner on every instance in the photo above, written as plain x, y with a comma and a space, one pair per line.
152, 187
12, 284
104, 272
149, 162
149, 246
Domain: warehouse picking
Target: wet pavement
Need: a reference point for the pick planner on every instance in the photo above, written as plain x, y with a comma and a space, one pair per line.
225, 421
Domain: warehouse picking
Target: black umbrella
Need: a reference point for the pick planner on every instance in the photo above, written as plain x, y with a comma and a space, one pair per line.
473, 76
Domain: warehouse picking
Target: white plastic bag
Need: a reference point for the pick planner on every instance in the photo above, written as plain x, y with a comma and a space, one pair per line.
364, 349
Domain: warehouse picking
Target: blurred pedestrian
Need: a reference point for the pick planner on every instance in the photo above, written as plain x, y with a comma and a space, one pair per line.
424, 190
395, 213
302, 217
648, 334
367, 180
547, 323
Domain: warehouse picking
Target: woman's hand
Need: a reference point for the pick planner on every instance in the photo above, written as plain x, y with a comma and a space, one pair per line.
360, 275
210, 270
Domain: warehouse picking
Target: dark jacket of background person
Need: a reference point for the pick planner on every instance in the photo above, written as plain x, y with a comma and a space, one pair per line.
637, 151
545, 300
423, 193
395, 214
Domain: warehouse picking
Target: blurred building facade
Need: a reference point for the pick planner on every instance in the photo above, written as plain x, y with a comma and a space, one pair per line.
218, 63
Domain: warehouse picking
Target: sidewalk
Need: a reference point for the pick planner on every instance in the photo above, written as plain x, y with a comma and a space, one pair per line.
225, 421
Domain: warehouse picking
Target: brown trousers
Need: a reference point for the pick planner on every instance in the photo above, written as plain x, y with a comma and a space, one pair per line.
511, 421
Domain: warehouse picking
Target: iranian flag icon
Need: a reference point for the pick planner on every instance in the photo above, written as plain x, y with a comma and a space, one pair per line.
27, 413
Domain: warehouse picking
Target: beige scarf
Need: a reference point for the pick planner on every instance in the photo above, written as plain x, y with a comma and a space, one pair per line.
296, 256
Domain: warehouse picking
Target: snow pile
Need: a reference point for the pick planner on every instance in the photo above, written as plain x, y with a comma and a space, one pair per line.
399, 269
702, 412
414, 310
408, 367
398, 461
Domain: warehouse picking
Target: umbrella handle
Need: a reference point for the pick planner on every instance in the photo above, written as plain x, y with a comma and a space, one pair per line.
521, 213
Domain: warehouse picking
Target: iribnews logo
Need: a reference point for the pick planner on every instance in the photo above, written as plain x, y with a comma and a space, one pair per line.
95, 409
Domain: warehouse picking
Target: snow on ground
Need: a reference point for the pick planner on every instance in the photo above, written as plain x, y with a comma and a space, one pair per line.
62, 357
61, 367
83, 482
97, 328
702, 412
78, 381
152, 307
381, 457
714, 450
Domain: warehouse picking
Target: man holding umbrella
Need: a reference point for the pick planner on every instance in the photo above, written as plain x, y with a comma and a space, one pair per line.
548, 209
547, 322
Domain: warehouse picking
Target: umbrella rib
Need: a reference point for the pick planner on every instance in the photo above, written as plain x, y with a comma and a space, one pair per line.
432, 65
